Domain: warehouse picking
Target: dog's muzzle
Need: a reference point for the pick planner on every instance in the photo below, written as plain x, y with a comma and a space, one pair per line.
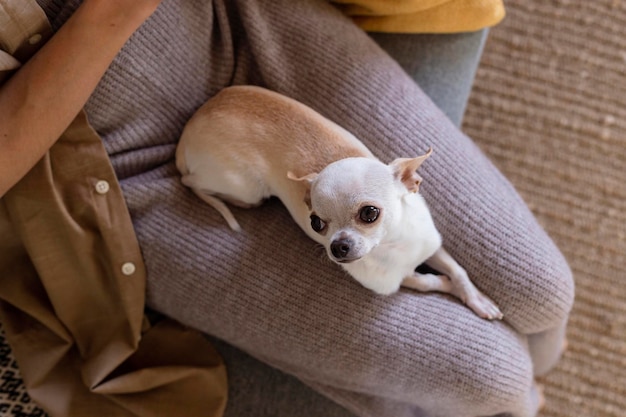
342, 250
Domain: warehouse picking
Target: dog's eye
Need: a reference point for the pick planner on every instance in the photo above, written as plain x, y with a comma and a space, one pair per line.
317, 224
369, 214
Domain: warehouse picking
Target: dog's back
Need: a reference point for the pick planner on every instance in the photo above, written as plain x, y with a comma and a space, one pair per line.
242, 143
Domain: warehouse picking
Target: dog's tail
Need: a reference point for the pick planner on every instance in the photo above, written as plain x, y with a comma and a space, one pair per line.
214, 202
221, 207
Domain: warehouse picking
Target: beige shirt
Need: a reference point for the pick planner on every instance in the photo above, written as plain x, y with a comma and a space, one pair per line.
72, 280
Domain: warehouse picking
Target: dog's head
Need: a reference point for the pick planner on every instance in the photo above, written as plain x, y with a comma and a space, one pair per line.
356, 202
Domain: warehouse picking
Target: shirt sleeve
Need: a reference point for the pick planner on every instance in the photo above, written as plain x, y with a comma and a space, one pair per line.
8, 64
23, 28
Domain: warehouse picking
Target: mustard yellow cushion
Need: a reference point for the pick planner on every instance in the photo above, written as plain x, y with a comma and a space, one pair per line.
423, 16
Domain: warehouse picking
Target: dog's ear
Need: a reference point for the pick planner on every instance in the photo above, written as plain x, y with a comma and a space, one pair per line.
404, 170
307, 180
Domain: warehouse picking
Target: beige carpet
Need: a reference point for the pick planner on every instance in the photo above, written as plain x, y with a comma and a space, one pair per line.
549, 107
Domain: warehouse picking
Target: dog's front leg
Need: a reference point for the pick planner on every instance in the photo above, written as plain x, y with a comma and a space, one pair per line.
453, 281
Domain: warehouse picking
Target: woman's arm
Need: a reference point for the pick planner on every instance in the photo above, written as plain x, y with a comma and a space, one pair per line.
40, 101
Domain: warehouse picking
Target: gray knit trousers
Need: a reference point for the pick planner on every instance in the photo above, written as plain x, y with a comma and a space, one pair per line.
269, 290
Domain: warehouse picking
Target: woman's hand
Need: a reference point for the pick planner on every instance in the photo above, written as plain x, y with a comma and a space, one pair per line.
40, 100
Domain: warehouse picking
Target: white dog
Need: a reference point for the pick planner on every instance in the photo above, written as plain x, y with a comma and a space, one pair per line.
247, 144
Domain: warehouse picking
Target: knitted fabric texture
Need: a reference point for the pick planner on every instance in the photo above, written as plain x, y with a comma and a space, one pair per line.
269, 290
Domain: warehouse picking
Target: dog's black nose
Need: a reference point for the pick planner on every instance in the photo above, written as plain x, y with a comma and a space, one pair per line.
341, 248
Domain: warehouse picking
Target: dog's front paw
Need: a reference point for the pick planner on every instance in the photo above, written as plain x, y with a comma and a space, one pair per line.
483, 306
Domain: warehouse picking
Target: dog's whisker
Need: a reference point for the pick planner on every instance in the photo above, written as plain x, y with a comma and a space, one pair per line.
319, 248
320, 251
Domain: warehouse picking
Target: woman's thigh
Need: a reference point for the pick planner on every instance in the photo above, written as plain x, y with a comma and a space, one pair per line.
271, 292
443, 65
320, 58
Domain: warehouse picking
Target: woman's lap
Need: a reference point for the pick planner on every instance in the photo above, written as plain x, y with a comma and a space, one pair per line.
271, 292
484, 222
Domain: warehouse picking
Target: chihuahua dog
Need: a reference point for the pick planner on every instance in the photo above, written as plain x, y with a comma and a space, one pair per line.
248, 143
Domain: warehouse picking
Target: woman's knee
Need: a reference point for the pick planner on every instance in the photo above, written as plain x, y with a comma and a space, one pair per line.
540, 298
490, 231
443, 359
490, 372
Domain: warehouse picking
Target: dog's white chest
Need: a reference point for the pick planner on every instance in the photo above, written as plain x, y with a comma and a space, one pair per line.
396, 257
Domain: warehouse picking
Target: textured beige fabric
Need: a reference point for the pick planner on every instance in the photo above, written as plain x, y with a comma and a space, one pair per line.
549, 106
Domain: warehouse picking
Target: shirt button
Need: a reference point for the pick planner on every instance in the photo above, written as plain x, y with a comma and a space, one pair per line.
102, 187
35, 39
128, 268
